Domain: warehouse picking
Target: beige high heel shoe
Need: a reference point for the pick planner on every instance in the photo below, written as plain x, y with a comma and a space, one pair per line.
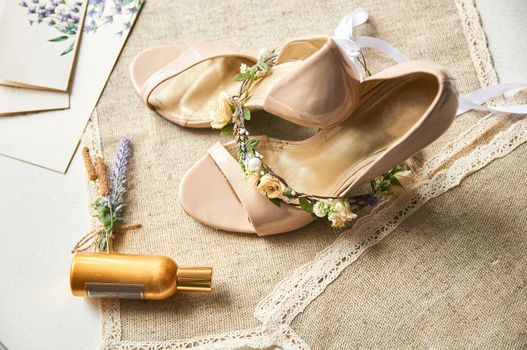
311, 82
401, 110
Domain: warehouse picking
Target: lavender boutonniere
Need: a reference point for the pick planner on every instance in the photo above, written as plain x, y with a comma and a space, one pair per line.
110, 205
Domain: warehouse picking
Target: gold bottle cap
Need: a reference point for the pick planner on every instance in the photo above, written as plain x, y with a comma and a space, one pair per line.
194, 279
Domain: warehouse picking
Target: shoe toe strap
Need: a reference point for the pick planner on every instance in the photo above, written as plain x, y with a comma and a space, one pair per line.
262, 213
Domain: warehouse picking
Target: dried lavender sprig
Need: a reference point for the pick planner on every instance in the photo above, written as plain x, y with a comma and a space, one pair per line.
118, 177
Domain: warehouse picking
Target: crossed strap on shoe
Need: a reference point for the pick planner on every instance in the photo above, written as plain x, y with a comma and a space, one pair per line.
262, 213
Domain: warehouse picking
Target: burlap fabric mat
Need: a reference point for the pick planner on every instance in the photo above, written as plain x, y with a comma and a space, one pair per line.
452, 275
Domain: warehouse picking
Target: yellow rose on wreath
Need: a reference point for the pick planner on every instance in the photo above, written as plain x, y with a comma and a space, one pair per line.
221, 111
270, 186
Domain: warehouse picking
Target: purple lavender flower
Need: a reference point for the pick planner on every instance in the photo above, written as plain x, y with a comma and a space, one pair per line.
373, 200
90, 27
126, 27
118, 177
118, 9
132, 10
106, 12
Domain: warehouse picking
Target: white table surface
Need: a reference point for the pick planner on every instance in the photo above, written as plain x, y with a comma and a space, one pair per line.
43, 213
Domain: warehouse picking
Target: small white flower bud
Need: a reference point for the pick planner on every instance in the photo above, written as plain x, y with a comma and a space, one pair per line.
264, 52
254, 164
320, 209
243, 68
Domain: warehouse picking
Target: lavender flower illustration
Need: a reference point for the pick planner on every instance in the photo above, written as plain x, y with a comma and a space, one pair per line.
102, 13
65, 16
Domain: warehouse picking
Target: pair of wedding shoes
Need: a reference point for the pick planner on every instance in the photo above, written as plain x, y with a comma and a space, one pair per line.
267, 186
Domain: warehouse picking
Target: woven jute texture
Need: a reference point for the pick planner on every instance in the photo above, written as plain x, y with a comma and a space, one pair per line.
451, 276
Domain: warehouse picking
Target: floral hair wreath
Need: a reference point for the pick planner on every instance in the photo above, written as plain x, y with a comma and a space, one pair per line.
229, 114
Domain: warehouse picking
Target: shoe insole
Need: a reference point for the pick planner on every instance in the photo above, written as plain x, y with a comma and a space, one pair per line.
190, 94
322, 164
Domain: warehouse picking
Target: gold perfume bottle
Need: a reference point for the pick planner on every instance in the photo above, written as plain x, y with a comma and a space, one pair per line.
100, 275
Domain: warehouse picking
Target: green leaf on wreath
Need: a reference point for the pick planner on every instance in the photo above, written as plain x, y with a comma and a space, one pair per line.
394, 181
275, 201
305, 204
226, 130
252, 144
242, 76
246, 113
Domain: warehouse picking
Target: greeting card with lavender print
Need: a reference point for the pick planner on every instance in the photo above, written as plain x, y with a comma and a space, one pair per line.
38, 41
49, 139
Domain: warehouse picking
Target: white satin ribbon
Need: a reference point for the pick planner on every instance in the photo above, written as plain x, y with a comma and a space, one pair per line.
383, 46
350, 46
343, 37
476, 99
353, 19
